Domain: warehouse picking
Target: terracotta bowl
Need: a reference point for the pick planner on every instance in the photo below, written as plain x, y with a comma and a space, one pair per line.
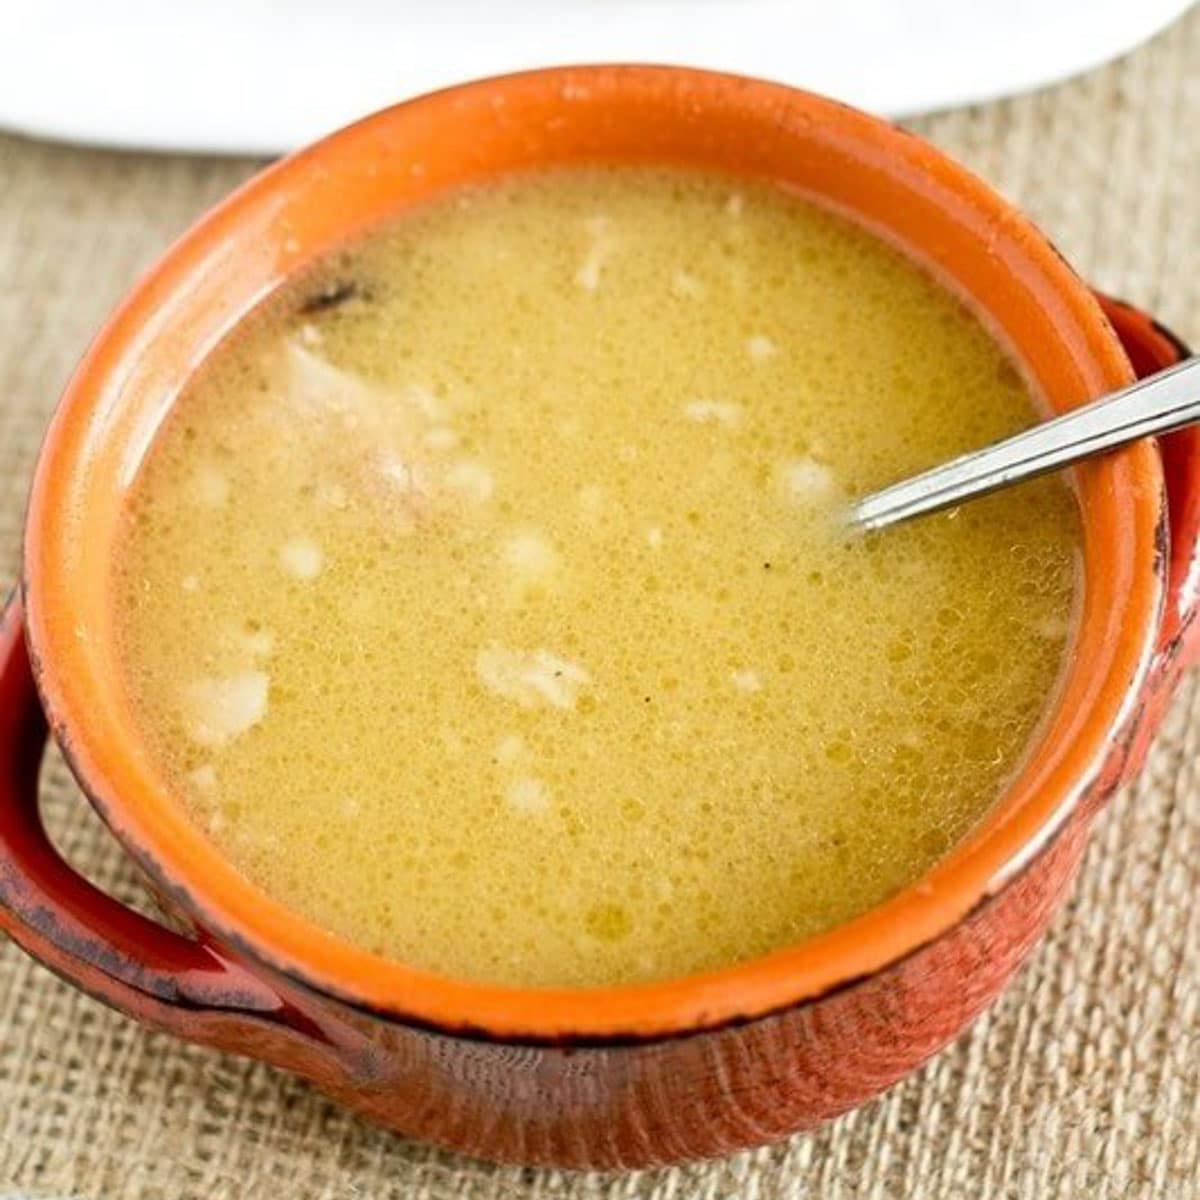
599, 1077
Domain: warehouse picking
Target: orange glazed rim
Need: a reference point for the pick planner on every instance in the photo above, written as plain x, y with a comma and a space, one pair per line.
888, 180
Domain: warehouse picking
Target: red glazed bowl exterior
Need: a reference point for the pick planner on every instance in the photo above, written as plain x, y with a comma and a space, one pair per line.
595, 1077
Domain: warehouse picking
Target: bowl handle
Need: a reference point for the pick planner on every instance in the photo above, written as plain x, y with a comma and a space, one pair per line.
186, 985
1152, 347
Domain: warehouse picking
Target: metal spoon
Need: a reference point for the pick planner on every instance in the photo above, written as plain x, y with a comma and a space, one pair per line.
1159, 403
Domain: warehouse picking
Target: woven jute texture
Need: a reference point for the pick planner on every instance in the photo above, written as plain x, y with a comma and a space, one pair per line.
1083, 1081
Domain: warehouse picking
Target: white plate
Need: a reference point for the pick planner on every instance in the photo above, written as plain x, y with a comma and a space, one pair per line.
253, 76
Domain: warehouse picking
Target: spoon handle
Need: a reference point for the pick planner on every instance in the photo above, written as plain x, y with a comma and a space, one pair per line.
1159, 403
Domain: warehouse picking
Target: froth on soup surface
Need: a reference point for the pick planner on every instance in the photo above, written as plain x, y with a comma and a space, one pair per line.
482, 597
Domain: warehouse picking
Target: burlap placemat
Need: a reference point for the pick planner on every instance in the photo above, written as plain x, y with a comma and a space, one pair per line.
1084, 1081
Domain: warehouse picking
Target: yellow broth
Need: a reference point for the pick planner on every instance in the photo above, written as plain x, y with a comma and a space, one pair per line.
485, 601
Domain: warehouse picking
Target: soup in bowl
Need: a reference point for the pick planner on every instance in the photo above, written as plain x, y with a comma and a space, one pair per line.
435, 575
